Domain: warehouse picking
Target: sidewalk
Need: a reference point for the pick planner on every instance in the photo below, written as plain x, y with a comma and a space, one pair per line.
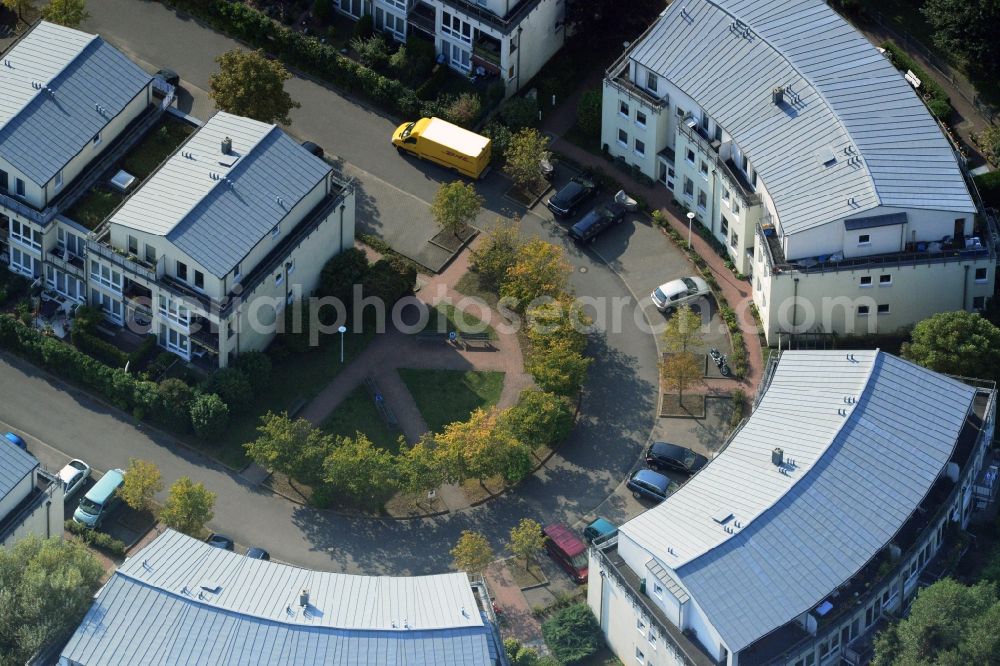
516, 619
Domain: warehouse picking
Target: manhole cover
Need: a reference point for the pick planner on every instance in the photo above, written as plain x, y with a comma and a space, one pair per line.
583, 269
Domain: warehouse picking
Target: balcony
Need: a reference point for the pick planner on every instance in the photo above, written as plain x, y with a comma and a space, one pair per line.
486, 49
617, 77
128, 263
775, 256
738, 183
67, 262
205, 338
505, 25
423, 17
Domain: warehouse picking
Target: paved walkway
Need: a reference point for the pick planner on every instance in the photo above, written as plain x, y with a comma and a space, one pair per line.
516, 618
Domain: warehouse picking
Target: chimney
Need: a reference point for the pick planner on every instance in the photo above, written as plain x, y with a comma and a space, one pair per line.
778, 95
777, 456
227, 146
304, 599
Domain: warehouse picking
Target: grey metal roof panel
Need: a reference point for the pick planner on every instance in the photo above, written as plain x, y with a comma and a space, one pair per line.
216, 213
875, 221
15, 464
840, 94
42, 129
847, 506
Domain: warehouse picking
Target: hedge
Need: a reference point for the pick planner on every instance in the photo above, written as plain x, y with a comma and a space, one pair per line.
939, 102
97, 539
989, 188
104, 352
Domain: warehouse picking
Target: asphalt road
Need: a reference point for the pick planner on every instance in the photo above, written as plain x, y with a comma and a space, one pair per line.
618, 404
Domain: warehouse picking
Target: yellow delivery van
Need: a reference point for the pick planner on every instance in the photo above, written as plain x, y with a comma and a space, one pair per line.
446, 144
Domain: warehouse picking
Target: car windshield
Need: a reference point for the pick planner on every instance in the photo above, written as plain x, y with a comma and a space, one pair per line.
689, 459
689, 283
660, 296
89, 507
406, 132
580, 561
569, 192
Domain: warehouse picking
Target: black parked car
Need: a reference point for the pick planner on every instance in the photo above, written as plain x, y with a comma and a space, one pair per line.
258, 554
564, 202
313, 148
220, 541
661, 455
169, 76
596, 222
647, 484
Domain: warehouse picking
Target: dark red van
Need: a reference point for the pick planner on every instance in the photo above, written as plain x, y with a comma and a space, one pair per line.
568, 550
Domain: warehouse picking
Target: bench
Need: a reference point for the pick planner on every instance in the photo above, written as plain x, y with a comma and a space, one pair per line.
383, 409
296, 406
482, 339
431, 336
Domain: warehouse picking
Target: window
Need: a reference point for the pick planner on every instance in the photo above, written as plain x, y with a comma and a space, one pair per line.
106, 276
702, 199
59, 179
862, 310
640, 626
658, 590
174, 311
622, 138
237, 272
866, 281
111, 307
290, 267
640, 148
640, 118
230, 329
199, 279
623, 109
182, 271
22, 262
725, 195
980, 275
883, 309
688, 187
133, 245
278, 279
276, 231
885, 280
651, 81
690, 156
703, 169
753, 179
150, 254
456, 27
978, 302
640, 657
20, 187
24, 234
652, 637
97, 139
4, 180
681, 112
734, 240
725, 227
71, 243
736, 206
864, 239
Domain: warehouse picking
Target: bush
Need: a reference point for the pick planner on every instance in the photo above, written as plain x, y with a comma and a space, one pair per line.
372, 51
160, 364
173, 404
233, 386
323, 10
519, 112
573, 634
99, 540
463, 110
588, 113
500, 136
497, 252
341, 273
139, 358
365, 27
540, 419
989, 188
86, 318
105, 352
209, 416
384, 281
257, 368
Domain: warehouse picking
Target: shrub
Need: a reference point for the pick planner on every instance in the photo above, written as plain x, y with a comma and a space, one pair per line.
105, 352
341, 273
323, 10
540, 418
139, 358
209, 416
161, 364
558, 368
500, 136
372, 51
385, 282
86, 318
588, 113
173, 404
940, 109
573, 634
233, 386
99, 540
463, 110
989, 188
257, 368
497, 253
519, 112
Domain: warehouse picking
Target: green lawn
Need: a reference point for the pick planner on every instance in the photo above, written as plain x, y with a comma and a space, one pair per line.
446, 396
445, 317
94, 207
297, 375
357, 413
159, 144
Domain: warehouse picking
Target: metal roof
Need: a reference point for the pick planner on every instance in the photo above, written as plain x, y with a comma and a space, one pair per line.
874, 221
15, 464
181, 601
841, 96
58, 88
215, 209
863, 440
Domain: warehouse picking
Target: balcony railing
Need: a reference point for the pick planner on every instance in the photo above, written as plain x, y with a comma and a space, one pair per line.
617, 76
503, 24
206, 339
486, 54
133, 266
67, 261
739, 185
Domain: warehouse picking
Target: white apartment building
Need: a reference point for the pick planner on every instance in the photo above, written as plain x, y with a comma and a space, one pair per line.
230, 229
31, 500
827, 509
510, 39
809, 157
69, 104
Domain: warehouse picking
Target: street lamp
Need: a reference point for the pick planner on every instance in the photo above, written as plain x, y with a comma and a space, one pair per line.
342, 329
690, 222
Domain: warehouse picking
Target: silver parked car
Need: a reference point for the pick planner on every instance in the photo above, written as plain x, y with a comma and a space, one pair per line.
73, 476
684, 291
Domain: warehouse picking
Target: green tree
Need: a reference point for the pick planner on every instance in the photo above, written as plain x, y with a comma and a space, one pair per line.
683, 331
341, 273
540, 418
46, 587
497, 251
524, 156
526, 540
70, 13
173, 405
256, 367
558, 368
681, 370
949, 623
142, 482
682, 335
464, 109
455, 206
480, 448
373, 51
19, 7
573, 634
989, 141
519, 112
249, 84
540, 271
561, 319
233, 386
957, 343
385, 281
292, 447
967, 29
419, 468
189, 507
209, 416
588, 113
472, 553
599, 26
360, 470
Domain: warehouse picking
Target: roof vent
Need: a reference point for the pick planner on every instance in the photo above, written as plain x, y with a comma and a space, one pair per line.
778, 95
722, 516
227, 146
777, 457
826, 156
304, 599
7, 63
211, 586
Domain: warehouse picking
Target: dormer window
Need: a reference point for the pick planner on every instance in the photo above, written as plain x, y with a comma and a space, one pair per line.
651, 81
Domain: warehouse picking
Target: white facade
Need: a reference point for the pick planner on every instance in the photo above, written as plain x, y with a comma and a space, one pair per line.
33, 506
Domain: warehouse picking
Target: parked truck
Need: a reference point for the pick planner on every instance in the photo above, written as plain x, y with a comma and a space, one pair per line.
446, 144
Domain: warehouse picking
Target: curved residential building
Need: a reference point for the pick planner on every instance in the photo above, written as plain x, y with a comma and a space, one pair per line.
825, 511
809, 157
